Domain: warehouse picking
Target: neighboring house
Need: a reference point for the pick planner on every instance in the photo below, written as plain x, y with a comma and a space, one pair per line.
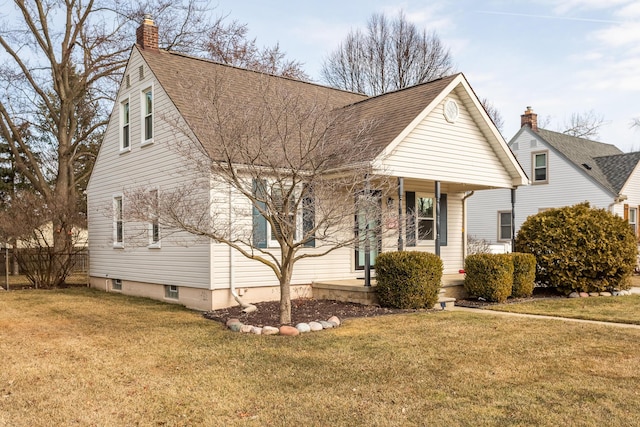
564, 170
433, 135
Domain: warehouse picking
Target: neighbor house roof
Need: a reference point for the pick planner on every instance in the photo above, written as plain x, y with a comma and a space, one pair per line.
618, 168
584, 154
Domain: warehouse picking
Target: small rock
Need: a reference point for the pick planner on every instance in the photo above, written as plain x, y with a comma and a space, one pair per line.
574, 295
289, 331
594, 294
235, 327
245, 329
625, 292
327, 325
335, 320
315, 326
303, 327
232, 321
583, 295
256, 330
616, 293
605, 294
270, 330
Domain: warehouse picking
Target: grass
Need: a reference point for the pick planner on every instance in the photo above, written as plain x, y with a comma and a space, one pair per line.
607, 309
83, 357
21, 281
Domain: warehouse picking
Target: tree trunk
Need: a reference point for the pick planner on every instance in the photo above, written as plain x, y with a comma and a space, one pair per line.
285, 293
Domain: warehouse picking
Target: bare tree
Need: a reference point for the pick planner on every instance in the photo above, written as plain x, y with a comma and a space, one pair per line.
63, 63
285, 169
389, 55
493, 113
584, 125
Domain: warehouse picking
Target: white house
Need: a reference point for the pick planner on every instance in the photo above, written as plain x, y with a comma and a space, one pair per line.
435, 140
564, 170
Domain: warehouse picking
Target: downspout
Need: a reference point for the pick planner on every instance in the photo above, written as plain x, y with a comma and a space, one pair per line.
246, 308
464, 224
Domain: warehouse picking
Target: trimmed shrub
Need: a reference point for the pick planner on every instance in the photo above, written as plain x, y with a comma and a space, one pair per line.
524, 274
489, 276
579, 248
408, 279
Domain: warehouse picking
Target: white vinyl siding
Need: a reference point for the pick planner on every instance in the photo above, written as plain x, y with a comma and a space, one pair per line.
448, 152
183, 260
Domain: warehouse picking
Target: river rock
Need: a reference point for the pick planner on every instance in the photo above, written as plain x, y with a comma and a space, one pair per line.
594, 294
615, 293
574, 295
303, 327
235, 327
289, 331
270, 330
605, 294
245, 329
335, 320
232, 321
256, 330
327, 325
584, 295
315, 326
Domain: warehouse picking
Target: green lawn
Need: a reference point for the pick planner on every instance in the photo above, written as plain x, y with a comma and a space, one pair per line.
82, 357
622, 309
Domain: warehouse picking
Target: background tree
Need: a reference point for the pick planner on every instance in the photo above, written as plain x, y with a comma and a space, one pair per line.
62, 65
493, 113
388, 55
584, 125
282, 164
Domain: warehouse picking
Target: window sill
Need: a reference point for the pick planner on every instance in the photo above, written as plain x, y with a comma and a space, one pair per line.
118, 246
125, 150
539, 182
154, 246
146, 143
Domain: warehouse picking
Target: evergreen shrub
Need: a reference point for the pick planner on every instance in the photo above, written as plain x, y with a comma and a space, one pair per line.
524, 274
408, 279
580, 249
489, 276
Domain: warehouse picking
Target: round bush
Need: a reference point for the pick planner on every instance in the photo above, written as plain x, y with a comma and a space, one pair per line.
489, 276
578, 248
524, 274
408, 279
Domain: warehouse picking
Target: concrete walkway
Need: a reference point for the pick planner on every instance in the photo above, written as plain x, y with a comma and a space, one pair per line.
542, 316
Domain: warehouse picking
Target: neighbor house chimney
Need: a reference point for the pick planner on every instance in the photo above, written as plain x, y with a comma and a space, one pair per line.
147, 34
529, 118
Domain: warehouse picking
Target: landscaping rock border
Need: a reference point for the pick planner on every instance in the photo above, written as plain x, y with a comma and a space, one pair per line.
235, 325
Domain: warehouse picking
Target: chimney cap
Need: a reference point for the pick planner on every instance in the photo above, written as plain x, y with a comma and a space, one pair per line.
148, 20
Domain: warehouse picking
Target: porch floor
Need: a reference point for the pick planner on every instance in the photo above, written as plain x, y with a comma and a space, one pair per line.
353, 290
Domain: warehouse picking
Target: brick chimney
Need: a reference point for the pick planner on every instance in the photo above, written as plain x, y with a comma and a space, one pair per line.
147, 34
529, 118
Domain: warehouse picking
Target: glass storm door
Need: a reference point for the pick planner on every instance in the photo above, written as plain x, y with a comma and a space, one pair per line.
367, 229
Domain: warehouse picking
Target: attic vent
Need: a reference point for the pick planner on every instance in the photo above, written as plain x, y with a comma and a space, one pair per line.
515, 146
141, 72
586, 166
127, 81
534, 143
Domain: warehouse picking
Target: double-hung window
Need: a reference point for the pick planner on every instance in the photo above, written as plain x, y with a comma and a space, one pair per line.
540, 163
125, 141
154, 224
118, 223
425, 219
504, 225
147, 114
633, 219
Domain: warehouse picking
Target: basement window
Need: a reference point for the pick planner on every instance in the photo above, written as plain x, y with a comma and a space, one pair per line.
171, 292
116, 284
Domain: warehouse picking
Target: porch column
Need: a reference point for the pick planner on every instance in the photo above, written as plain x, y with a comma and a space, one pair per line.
513, 219
367, 246
400, 203
437, 191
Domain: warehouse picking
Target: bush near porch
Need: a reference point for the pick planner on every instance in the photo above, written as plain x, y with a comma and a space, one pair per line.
489, 276
408, 279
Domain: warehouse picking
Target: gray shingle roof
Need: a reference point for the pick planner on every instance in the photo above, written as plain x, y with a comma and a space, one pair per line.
581, 152
618, 168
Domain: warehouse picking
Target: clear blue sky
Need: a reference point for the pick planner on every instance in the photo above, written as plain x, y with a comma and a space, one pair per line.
558, 56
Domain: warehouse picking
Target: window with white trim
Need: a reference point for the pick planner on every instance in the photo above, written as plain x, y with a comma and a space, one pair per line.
504, 225
125, 140
633, 219
425, 222
171, 292
154, 225
118, 223
540, 164
147, 115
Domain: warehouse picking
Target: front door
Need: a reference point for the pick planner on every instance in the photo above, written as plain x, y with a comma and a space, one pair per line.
367, 229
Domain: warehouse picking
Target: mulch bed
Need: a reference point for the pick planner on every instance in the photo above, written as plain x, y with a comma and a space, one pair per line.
302, 310
538, 293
